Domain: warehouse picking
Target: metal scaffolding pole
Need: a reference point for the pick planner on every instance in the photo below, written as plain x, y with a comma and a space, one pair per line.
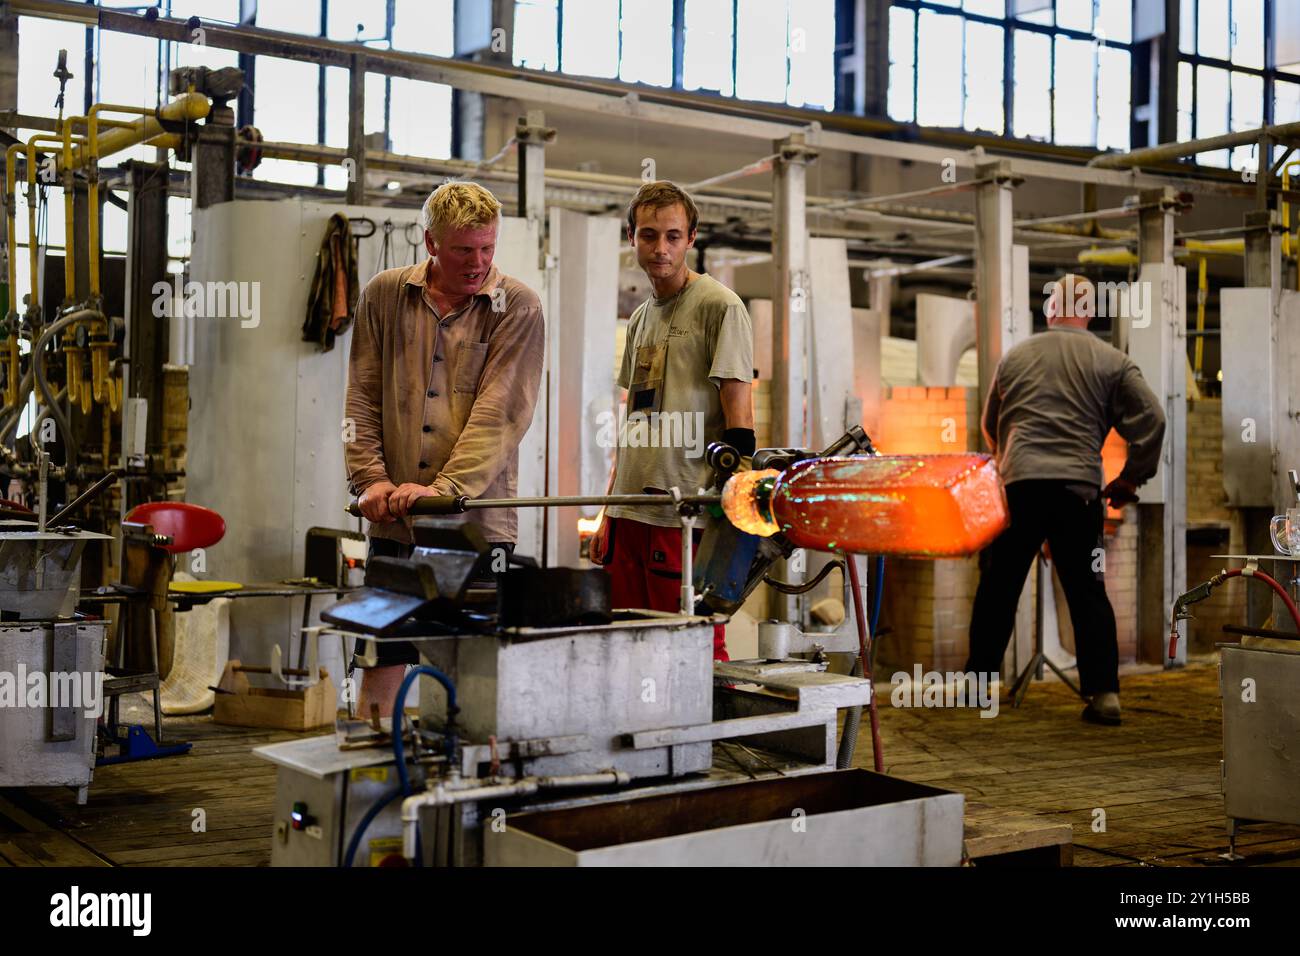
356, 159
790, 326
995, 326
1157, 342
790, 295
1262, 264
532, 135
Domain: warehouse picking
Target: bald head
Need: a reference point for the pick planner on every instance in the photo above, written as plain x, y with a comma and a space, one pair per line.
1071, 301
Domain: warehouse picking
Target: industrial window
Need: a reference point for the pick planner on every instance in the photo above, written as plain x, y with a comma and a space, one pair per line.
537, 34
709, 44
289, 116
1050, 70
776, 51
414, 117
646, 38
1232, 76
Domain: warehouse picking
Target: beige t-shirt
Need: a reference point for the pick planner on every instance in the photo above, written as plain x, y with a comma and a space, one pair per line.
712, 341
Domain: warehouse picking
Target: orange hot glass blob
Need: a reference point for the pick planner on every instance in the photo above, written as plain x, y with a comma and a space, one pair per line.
922, 505
745, 500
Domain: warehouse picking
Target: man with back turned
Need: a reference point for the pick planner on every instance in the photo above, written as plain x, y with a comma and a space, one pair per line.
1054, 399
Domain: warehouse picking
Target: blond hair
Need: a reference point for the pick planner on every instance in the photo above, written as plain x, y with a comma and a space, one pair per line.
458, 205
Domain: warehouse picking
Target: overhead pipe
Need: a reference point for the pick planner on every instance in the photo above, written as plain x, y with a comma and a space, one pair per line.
187, 107
1193, 248
1166, 152
122, 135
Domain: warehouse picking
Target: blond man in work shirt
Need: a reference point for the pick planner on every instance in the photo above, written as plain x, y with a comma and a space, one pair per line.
442, 379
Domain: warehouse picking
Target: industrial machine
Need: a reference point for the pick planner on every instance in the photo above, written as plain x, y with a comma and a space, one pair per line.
1259, 679
559, 730
51, 662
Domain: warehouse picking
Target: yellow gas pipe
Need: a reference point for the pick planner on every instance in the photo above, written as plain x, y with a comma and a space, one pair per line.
1202, 293
1286, 217
189, 106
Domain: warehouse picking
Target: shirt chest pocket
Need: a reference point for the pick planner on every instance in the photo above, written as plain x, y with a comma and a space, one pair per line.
470, 358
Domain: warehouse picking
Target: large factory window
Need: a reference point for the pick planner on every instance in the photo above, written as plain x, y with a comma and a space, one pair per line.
590, 40
775, 51
645, 51
1235, 55
536, 43
289, 119
709, 46
1060, 67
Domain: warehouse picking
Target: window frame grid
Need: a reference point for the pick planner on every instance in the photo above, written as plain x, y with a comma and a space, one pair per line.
1269, 73
1010, 24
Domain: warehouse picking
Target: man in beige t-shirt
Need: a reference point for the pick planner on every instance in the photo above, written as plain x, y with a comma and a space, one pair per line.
687, 366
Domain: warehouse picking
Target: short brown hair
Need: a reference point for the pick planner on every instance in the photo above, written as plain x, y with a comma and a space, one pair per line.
658, 194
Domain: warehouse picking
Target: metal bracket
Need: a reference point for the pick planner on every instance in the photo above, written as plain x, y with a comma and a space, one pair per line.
537, 135
795, 149
63, 660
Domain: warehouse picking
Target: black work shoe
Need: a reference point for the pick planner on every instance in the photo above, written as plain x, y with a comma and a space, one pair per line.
1103, 709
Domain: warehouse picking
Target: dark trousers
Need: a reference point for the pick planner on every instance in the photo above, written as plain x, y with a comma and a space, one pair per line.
1072, 528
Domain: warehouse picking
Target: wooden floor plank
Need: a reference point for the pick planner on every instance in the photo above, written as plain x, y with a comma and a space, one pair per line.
1156, 776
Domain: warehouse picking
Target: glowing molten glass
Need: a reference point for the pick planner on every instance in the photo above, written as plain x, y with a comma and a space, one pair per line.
745, 500
922, 505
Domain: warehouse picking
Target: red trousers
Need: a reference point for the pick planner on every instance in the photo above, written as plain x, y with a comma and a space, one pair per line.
645, 570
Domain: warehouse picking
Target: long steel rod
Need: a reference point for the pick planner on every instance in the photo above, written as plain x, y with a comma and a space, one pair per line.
895, 197
1167, 151
763, 165
457, 504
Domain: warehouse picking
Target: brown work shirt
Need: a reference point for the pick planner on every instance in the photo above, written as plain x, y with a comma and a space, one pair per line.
443, 400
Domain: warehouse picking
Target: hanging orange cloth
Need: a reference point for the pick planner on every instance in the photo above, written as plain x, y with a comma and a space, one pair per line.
334, 288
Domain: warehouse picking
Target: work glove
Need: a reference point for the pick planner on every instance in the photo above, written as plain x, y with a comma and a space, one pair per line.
1120, 493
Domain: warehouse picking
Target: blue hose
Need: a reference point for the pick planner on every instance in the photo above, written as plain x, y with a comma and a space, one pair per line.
878, 592
366, 820
399, 753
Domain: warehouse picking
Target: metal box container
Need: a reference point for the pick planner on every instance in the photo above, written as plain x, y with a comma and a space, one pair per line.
837, 818
331, 791
49, 741
1261, 736
40, 571
559, 700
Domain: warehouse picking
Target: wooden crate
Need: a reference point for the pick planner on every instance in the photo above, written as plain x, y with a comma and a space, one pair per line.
278, 707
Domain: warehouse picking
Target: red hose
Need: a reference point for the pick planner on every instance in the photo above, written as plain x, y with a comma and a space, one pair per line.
1236, 573
864, 657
